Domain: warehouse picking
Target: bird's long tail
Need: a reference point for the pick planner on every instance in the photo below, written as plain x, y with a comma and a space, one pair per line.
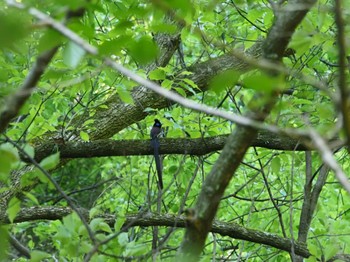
158, 166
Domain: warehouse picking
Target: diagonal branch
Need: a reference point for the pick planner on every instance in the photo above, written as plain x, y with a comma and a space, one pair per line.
207, 203
328, 159
201, 76
16, 101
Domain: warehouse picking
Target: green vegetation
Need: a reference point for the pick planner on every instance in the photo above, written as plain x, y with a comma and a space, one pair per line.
254, 99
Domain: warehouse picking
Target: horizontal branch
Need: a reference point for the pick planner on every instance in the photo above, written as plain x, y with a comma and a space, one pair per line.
149, 219
188, 146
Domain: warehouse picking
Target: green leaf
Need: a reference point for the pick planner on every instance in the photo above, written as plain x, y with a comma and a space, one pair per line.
28, 177
190, 83
44, 179
331, 250
50, 39
4, 243
136, 249
103, 107
51, 161
84, 136
5, 168
157, 74
143, 50
276, 165
32, 198
14, 207
29, 150
167, 83
85, 247
123, 239
93, 212
175, 208
184, 6
125, 96
10, 151
164, 28
313, 249
301, 42
263, 82
91, 121
104, 227
72, 54
119, 222
114, 46
224, 80
37, 256
180, 91
149, 109
187, 87
300, 101
9, 158
99, 224
14, 27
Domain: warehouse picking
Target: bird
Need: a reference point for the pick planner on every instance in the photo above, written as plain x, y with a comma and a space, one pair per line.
155, 132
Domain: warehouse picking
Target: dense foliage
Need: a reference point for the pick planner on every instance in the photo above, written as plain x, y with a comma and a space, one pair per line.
77, 176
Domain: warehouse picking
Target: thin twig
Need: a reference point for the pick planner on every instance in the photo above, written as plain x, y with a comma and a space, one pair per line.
24, 251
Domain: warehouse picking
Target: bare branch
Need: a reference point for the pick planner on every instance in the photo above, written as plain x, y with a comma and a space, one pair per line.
328, 159
24, 251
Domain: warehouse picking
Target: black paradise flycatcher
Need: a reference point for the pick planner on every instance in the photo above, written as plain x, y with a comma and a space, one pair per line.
155, 131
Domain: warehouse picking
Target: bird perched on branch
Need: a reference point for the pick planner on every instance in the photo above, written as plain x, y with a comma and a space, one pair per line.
155, 132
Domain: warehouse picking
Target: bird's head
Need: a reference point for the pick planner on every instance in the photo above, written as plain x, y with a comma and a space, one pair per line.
157, 123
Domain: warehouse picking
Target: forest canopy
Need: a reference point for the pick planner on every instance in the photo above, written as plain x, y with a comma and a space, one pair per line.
249, 159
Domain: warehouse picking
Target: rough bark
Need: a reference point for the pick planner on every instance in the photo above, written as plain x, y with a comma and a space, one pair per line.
119, 115
185, 146
311, 196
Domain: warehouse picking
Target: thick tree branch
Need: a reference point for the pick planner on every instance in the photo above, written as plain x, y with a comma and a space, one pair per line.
120, 115
149, 219
194, 146
344, 91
